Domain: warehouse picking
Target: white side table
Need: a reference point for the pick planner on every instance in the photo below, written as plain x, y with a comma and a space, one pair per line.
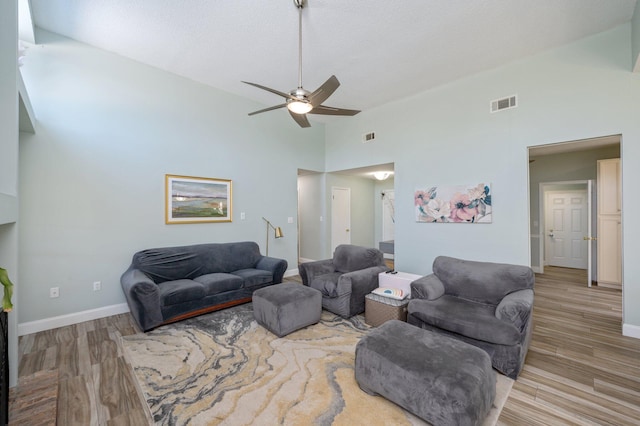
400, 280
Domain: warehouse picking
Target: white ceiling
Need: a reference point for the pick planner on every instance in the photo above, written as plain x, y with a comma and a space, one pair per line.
380, 50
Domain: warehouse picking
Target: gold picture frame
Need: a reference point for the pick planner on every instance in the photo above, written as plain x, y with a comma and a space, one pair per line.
190, 199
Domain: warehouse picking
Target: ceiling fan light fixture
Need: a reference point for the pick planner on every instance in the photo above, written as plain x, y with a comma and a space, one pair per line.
299, 107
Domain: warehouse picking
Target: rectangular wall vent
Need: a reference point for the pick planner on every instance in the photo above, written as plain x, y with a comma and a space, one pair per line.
368, 137
504, 103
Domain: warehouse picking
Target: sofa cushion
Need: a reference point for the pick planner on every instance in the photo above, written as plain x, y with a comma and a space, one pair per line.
475, 320
253, 277
168, 264
229, 257
180, 291
349, 258
219, 282
327, 284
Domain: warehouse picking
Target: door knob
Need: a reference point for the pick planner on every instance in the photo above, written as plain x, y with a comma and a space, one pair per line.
347, 230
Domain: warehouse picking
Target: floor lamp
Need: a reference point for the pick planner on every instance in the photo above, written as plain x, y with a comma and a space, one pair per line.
277, 232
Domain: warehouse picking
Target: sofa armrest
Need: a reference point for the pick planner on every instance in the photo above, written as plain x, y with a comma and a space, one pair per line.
274, 265
310, 270
143, 298
363, 281
515, 308
428, 287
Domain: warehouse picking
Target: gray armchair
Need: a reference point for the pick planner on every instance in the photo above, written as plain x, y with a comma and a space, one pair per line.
488, 305
346, 279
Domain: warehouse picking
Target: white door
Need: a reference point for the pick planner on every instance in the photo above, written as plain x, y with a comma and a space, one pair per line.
567, 225
340, 217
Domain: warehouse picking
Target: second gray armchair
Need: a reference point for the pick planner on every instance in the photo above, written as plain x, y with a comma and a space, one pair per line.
488, 305
346, 279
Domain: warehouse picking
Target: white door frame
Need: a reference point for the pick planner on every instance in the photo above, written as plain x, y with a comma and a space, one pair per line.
388, 219
542, 188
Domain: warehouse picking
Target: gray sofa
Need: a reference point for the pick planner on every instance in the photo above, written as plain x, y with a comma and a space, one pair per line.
169, 284
488, 305
345, 279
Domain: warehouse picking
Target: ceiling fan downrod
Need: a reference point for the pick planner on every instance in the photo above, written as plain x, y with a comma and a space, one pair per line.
299, 4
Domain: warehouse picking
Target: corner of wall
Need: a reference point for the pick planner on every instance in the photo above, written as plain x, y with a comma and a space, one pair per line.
635, 39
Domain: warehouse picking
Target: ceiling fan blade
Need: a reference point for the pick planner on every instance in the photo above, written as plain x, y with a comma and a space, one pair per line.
268, 109
327, 110
268, 89
323, 92
301, 119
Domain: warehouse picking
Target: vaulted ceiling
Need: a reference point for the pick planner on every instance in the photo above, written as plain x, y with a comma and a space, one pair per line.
380, 50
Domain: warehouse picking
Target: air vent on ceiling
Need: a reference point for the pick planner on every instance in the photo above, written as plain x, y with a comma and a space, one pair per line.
368, 137
504, 103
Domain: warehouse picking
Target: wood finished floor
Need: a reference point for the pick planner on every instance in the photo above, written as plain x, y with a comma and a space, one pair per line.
579, 369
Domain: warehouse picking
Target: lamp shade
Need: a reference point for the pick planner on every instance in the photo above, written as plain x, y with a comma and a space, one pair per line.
279, 233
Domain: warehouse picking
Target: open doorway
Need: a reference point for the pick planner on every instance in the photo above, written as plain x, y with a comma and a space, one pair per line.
563, 200
316, 208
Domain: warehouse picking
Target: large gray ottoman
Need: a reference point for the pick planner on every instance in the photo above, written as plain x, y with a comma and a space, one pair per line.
439, 379
287, 307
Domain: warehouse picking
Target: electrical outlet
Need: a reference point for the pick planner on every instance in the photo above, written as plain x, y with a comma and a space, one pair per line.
97, 286
289, 220
242, 216
54, 292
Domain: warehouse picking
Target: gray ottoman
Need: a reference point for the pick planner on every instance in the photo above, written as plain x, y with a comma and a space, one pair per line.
287, 307
439, 379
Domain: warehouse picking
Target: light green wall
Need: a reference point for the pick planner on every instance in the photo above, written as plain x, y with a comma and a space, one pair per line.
9, 166
447, 136
311, 206
92, 177
635, 38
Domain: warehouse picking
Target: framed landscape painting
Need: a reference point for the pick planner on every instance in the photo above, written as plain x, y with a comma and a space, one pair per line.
191, 199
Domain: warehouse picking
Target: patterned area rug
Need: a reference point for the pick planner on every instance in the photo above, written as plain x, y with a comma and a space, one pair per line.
223, 368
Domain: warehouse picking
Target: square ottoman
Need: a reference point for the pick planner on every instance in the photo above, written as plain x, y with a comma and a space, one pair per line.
439, 379
287, 307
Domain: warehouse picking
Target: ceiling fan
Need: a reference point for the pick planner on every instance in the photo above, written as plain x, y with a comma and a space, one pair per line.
299, 101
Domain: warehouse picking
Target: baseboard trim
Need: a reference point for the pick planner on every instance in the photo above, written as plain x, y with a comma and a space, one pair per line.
305, 260
70, 319
630, 330
92, 314
291, 272
537, 269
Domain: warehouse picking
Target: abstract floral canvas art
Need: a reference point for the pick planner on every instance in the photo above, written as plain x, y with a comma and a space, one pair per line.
454, 204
